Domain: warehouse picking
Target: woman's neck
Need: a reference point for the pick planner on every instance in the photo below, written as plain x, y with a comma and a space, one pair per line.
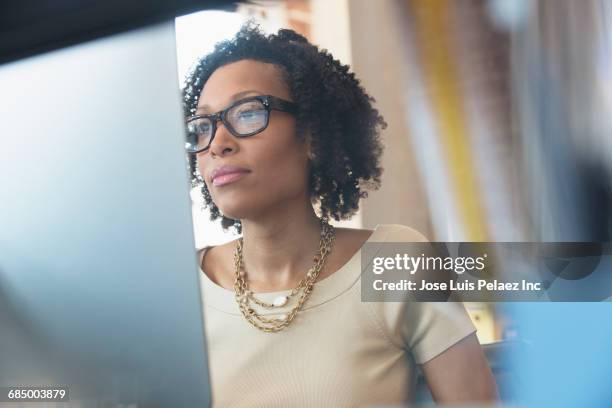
278, 249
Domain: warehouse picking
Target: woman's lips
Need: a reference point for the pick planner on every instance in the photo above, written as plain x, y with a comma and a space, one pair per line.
228, 178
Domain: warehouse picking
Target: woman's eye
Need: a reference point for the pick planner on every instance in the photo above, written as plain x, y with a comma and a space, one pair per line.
203, 129
250, 114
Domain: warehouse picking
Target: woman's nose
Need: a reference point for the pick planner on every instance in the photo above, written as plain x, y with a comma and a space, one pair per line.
223, 143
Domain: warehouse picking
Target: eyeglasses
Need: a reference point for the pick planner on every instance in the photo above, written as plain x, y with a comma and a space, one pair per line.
243, 118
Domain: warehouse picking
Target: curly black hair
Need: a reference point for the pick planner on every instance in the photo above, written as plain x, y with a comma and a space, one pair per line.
333, 108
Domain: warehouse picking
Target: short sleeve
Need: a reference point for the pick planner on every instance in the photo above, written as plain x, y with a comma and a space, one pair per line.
425, 329
430, 328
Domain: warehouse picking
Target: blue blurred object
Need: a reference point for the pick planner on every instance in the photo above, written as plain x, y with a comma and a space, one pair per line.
568, 362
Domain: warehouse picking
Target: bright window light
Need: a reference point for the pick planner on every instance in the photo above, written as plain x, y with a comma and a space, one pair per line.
197, 34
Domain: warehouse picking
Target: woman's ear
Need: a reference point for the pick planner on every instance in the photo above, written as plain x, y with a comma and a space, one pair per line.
308, 146
309, 153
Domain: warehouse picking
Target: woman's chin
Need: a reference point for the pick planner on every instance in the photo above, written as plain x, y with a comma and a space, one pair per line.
234, 206
233, 213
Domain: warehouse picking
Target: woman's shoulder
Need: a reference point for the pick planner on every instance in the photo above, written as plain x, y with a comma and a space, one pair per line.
215, 249
389, 231
353, 234
399, 233
215, 262
353, 238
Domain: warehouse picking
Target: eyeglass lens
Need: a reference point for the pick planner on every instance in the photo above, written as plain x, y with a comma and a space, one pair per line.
243, 119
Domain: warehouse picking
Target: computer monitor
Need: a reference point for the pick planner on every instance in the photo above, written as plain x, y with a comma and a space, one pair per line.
98, 272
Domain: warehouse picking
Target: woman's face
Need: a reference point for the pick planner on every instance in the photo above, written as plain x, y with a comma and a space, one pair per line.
274, 161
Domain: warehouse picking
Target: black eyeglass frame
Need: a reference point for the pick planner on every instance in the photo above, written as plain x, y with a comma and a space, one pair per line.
268, 101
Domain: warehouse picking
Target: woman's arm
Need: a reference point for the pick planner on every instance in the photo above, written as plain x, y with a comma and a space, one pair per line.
461, 374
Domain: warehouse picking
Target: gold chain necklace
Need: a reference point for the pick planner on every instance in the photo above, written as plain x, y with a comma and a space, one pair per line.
244, 296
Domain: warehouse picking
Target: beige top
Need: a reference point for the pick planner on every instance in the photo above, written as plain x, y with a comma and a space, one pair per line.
337, 352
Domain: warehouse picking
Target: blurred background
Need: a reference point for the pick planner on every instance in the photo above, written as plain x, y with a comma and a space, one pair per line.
497, 110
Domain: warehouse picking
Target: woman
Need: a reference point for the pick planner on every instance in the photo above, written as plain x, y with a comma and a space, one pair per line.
277, 127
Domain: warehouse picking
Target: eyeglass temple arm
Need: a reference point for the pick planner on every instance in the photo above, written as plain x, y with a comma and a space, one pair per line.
282, 105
